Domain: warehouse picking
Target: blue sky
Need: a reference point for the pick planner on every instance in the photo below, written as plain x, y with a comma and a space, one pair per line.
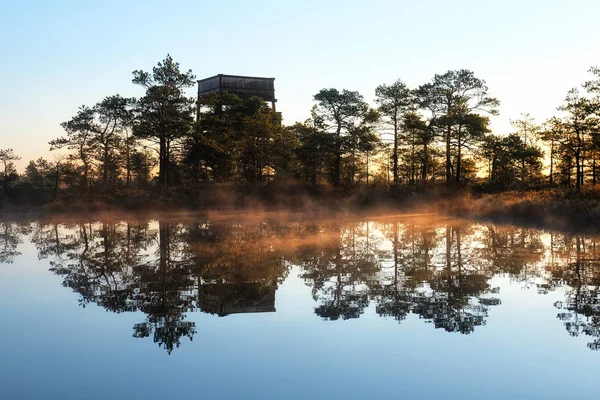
61, 54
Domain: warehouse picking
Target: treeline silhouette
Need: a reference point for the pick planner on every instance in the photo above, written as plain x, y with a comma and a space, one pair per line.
437, 133
440, 272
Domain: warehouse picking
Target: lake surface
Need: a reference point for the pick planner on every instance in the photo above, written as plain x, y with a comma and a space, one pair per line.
264, 308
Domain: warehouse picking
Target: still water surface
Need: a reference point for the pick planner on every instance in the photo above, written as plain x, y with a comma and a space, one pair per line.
264, 308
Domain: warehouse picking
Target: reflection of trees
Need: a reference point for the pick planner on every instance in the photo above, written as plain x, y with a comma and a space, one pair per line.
11, 234
338, 269
110, 265
95, 261
166, 291
580, 311
438, 272
164, 272
514, 251
455, 299
410, 267
53, 241
444, 285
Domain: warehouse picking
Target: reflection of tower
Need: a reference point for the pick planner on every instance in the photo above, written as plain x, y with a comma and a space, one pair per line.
223, 298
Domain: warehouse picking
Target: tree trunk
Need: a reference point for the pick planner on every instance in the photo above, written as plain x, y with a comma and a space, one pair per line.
163, 163
458, 164
412, 160
594, 168
578, 164
577, 172
105, 167
5, 182
395, 152
551, 162
367, 167
128, 162
338, 158
425, 164
85, 174
448, 160
56, 183
569, 173
353, 164
582, 175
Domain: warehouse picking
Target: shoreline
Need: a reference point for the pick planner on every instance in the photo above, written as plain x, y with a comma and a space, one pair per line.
550, 209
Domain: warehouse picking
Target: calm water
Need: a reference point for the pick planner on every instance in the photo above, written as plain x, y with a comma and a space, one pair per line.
415, 308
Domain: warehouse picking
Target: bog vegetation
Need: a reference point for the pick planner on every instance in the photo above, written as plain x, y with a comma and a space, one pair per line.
165, 144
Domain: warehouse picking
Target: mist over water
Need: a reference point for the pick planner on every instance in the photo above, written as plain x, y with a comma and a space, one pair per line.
277, 307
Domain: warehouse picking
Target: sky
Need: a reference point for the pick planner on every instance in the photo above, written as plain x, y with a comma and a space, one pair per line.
59, 55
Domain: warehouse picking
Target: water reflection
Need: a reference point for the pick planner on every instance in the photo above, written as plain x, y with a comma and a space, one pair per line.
580, 275
439, 271
446, 285
11, 235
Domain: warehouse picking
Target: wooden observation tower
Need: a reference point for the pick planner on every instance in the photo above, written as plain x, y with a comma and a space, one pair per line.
242, 86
